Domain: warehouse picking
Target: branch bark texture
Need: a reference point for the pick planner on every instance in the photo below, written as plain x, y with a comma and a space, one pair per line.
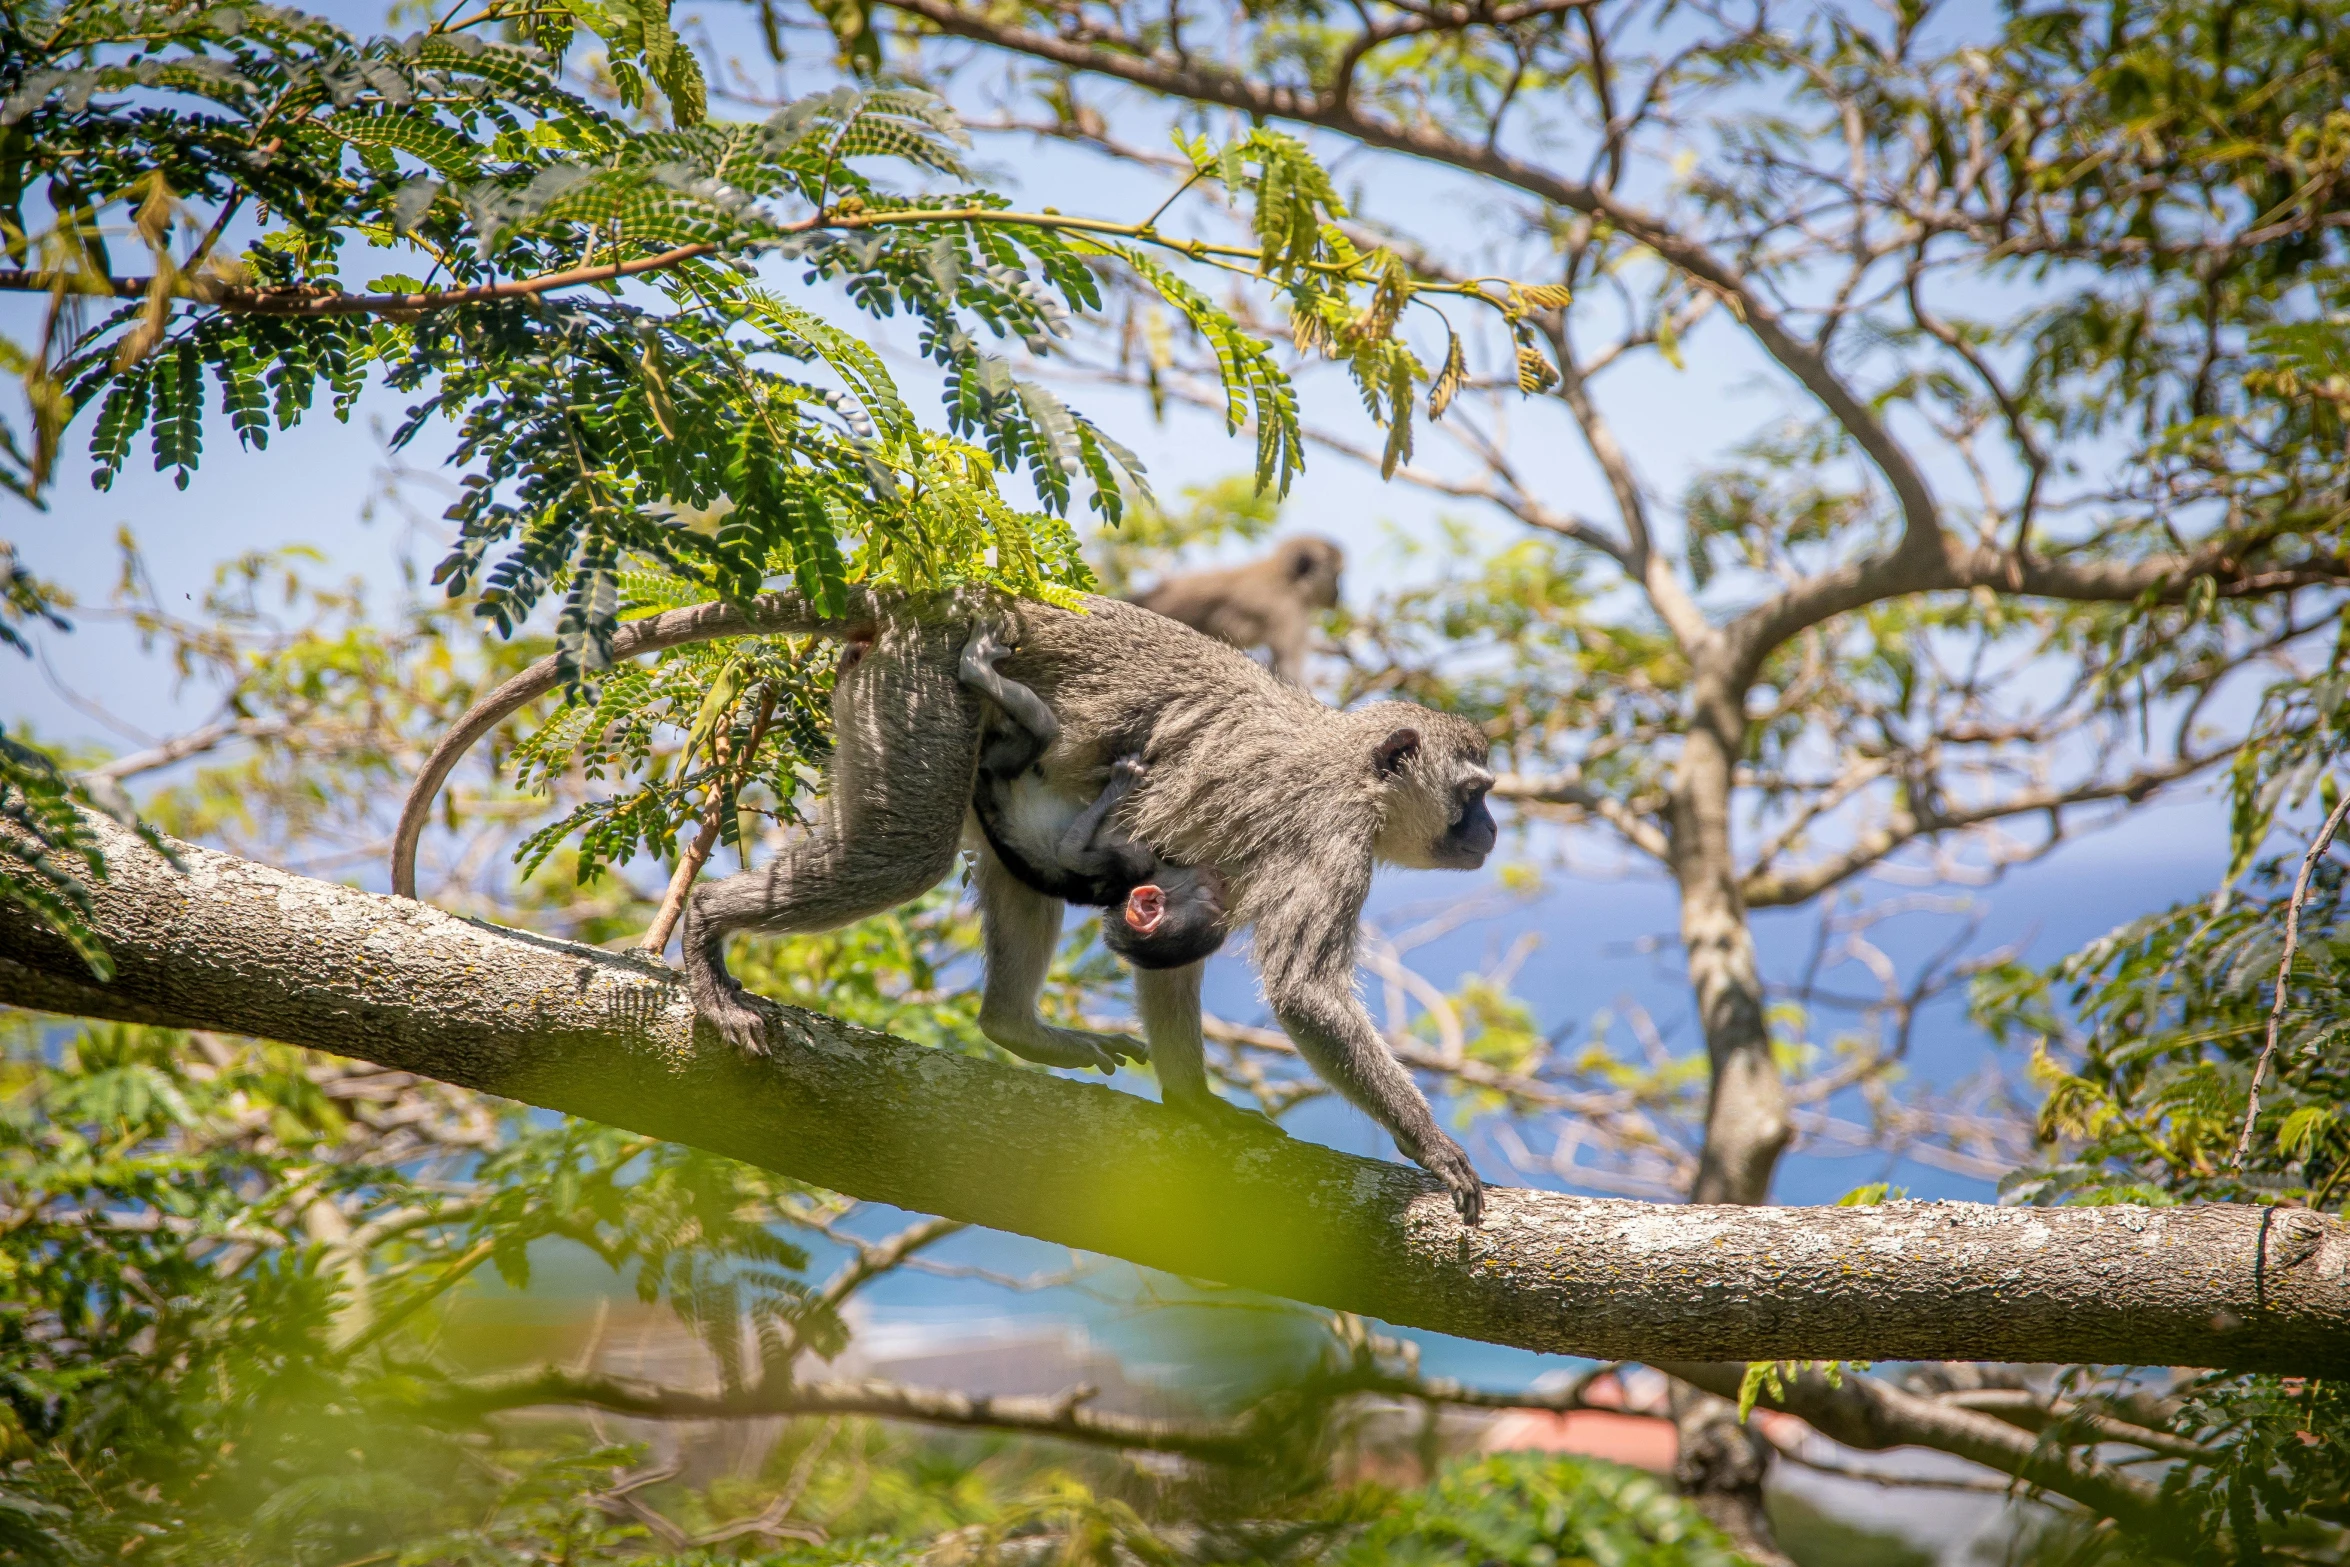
232, 945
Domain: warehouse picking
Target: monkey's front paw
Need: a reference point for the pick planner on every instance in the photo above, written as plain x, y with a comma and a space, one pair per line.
1451, 1166
1129, 769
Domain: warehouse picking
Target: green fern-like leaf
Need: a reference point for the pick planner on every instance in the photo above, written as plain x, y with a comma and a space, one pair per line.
1254, 385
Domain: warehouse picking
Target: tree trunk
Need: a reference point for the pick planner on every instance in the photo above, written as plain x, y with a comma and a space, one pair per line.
242, 948
1722, 1464
1746, 1124
1719, 1464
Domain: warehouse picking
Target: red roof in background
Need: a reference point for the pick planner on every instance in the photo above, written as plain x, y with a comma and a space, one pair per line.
1643, 1441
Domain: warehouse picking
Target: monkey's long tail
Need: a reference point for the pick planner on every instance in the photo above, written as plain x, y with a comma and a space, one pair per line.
779, 614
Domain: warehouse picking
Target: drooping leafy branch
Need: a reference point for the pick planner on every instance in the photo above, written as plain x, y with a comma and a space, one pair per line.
588, 422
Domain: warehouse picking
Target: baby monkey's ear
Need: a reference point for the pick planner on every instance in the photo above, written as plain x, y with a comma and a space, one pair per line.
1397, 749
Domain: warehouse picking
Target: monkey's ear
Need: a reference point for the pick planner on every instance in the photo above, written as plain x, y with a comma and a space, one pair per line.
1397, 749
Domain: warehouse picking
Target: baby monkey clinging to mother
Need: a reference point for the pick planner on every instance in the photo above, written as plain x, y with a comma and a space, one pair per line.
1158, 915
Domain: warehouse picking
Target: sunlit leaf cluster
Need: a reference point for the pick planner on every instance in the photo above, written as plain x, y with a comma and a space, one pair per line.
2148, 1039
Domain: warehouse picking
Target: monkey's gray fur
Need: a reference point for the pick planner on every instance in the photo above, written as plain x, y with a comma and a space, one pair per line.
1291, 801
1269, 603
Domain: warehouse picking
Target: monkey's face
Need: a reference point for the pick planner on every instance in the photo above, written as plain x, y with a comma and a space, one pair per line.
1437, 818
1314, 568
1469, 832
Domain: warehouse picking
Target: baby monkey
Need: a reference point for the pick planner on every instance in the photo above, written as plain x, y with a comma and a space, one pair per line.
1161, 916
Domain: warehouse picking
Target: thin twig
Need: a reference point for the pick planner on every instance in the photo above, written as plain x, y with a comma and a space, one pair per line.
1160, 211
2276, 1010
697, 854
308, 301
689, 869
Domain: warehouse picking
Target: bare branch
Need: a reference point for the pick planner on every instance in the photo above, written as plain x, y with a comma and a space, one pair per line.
2276, 1011
1902, 825
2028, 1411
1065, 1415
875, 1258
1130, 61
196, 742
307, 301
1639, 830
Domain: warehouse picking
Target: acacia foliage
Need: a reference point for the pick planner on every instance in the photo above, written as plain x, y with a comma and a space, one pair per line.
46, 845
600, 429
702, 429
587, 423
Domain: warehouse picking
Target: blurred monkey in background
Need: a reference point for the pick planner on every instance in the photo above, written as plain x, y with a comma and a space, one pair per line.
1269, 603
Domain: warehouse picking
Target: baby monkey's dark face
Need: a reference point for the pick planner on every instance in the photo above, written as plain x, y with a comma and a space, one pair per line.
1167, 923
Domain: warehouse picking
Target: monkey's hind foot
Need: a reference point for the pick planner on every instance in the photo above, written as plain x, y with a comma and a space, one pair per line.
1049, 1046
737, 1019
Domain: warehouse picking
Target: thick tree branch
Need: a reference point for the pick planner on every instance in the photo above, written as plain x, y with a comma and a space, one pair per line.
240, 947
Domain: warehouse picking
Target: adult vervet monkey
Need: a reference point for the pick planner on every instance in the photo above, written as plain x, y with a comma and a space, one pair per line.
1290, 801
1269, 603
